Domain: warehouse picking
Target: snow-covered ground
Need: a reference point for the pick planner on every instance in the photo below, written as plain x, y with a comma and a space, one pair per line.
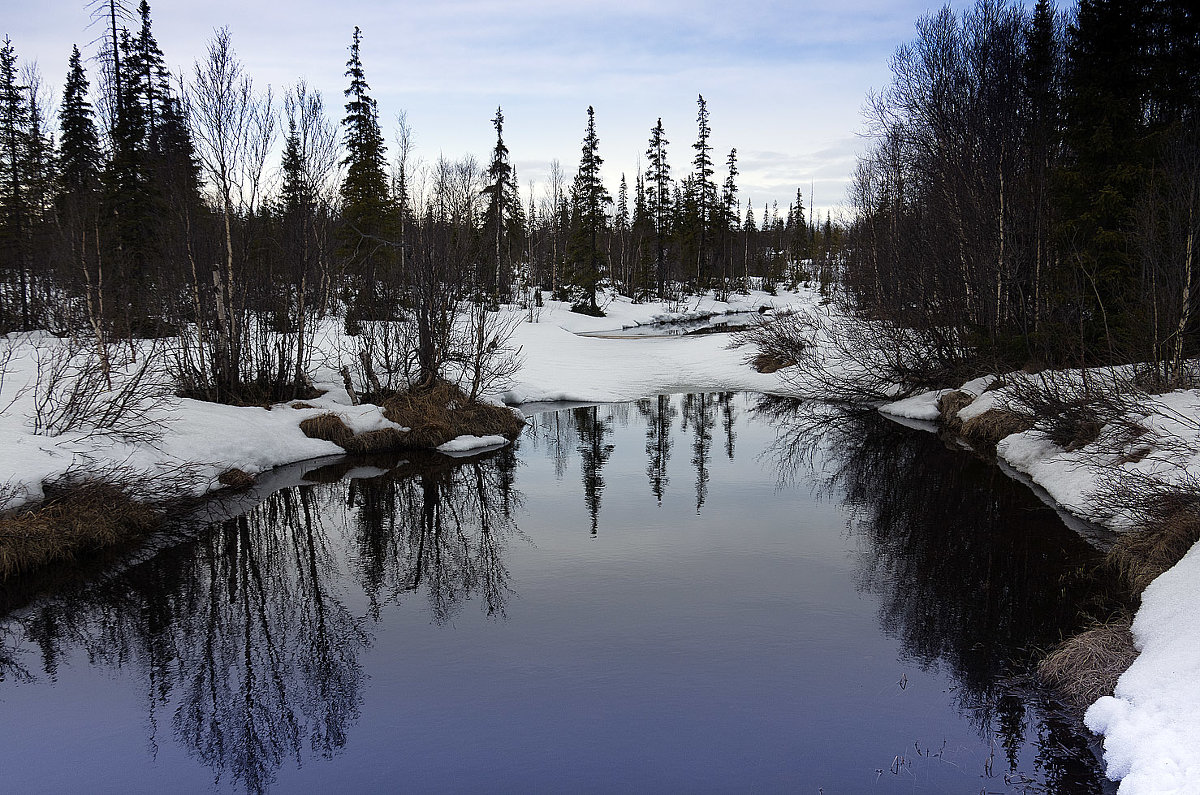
202, 440
1151, 724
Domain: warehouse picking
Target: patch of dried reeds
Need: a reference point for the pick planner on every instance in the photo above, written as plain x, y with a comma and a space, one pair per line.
235, 479
1139, 556
949, 404
86, 517
327, 426
1086, 666
381, 441
442, 412
994, 424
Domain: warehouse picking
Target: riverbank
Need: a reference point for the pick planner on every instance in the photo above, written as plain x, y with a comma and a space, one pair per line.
198, 447
1130, 464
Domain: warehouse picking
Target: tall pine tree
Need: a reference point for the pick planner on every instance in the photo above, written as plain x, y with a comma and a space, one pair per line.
589, 198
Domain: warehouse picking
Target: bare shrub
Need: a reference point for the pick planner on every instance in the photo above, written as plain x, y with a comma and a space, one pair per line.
1075, 409
844, 356
79, 389
777, 342
1087, 666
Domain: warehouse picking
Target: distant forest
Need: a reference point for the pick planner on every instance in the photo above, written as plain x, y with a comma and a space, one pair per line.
1030, 196
199, 205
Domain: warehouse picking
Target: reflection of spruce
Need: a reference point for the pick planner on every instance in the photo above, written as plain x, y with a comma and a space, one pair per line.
659, 413
728, 415
698, 412
593, 453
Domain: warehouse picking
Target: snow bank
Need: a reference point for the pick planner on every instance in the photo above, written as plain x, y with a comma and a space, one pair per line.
1151, 724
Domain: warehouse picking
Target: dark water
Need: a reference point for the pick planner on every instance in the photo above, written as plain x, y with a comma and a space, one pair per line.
689, 593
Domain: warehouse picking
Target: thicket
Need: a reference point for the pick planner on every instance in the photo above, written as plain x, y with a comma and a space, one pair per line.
1031, 194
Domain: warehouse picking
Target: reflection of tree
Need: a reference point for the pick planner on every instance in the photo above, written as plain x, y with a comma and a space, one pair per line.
962, 586
440, 526
659, 413
269, 649
698, 411
593, 452
728, 416
244, 636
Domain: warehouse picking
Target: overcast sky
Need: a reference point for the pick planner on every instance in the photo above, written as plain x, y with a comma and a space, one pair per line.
784, 81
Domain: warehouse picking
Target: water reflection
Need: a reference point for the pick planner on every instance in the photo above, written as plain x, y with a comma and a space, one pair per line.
246, 636
250, 640
972, 574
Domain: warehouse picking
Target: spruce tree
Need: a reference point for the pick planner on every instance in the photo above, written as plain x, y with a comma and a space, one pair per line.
367, 217
704, 195
14, 200
79, 145
589, 198
658, 201
503, 206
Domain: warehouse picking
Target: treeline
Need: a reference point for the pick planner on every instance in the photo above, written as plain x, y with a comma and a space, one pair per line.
1032, 192
203, 208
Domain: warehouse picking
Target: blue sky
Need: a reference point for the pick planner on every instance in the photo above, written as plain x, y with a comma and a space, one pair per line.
785, 82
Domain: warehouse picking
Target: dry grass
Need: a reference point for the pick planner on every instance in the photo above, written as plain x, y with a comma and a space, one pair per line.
442, 412
949, 405
235, 479
78, 519
994, 424
768, 362
328, 426
302, 405
1140, 556
381, 441
1087, 666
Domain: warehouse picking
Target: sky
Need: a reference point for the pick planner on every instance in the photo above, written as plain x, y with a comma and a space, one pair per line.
785, 82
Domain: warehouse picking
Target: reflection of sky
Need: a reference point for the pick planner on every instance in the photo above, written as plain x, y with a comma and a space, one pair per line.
785, 81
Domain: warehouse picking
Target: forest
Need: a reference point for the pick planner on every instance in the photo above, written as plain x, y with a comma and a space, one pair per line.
1030, 197
205, 210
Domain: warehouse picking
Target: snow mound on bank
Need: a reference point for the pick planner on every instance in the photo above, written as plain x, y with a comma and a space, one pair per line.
1151, 724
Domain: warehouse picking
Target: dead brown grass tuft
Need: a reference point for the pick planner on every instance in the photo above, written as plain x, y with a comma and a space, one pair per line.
302, 405
994, 424
328, 426
949, 405
235, 479
381, 441
442, 412
1087, 666
81, 518
769, 362
1139, 556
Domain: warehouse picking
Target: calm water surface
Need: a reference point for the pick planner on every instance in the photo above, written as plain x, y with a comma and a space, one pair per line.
689, 593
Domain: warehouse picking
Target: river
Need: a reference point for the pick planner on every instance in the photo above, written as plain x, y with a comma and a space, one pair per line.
708, 592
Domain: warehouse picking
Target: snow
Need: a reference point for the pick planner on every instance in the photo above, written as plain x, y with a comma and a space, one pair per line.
1151, 724
466, 442
918, 407
202, 440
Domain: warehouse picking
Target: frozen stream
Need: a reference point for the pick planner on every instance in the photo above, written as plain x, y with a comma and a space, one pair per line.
710, 592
